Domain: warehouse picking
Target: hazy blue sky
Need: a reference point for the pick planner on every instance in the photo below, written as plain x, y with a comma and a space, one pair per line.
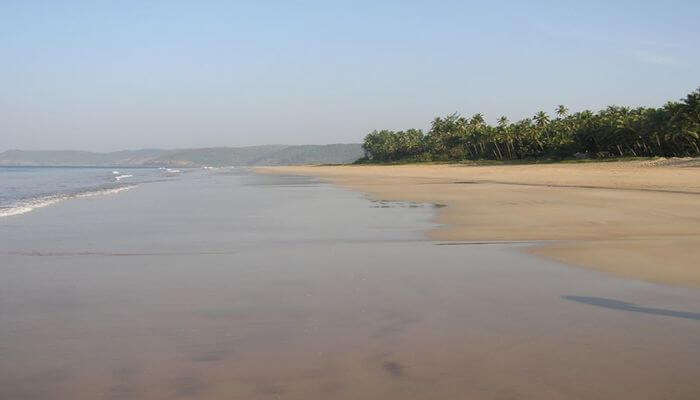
106, 75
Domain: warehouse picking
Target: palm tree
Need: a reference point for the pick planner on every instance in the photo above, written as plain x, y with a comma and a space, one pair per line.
562, 111
504, 133
541, 118
670, 130
477, 119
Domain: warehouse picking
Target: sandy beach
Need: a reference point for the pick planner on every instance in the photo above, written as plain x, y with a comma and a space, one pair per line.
637, 219
232, 285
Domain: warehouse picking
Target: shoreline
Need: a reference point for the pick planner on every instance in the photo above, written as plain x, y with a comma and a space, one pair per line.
247, 286
628, 218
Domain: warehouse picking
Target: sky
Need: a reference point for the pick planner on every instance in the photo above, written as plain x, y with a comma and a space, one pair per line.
110, 75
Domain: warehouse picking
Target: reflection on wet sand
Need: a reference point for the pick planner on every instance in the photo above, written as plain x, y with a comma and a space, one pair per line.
313, 322
323, 316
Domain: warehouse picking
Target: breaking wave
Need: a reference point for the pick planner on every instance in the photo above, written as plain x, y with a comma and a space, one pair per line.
25, 206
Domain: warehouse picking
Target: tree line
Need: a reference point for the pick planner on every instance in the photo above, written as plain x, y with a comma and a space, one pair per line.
672, 130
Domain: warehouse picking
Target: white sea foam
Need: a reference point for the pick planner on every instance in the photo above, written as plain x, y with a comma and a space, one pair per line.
26, 206
116, 172
120, 177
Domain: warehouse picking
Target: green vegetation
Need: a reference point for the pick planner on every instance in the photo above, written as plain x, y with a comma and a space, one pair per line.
670, 131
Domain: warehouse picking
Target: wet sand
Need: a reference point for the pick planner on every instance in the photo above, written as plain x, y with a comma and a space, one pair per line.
633, 219
258, 288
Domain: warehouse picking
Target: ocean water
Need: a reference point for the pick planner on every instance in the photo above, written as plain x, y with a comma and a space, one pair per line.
224, 284
23, 189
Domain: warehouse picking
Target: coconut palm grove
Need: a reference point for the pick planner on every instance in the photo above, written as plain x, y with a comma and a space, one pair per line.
672, 130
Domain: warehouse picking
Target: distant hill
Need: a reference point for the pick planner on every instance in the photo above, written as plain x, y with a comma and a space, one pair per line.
214, 156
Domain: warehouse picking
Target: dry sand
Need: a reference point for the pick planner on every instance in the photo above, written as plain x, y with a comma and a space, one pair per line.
636, 219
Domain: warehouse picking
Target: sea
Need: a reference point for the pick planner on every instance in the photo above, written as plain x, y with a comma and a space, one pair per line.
23, 189
222, 283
